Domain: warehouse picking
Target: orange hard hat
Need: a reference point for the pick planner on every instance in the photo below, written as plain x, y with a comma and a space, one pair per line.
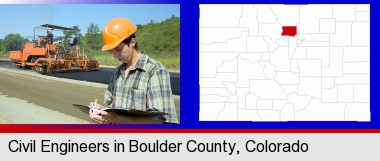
116, 31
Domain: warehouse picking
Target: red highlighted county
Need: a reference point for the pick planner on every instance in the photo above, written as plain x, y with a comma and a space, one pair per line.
289, 31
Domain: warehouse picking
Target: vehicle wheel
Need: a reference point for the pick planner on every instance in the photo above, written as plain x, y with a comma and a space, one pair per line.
33, 59
44, 67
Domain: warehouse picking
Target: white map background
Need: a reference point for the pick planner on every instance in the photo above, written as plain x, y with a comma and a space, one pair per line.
249, 72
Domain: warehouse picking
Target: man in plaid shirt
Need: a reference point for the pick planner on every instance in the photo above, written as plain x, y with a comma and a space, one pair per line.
140, 83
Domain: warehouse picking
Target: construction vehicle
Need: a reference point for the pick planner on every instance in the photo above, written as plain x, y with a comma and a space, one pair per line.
44, 56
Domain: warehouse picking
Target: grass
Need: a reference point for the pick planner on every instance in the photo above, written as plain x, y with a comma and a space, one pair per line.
171, 63
106, 59
4, 55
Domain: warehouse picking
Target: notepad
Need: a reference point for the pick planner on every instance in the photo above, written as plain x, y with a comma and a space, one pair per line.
123, 111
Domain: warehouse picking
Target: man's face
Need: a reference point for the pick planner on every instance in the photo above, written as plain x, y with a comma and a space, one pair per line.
123, 52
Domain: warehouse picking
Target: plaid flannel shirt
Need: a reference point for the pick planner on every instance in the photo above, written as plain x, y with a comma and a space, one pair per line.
147, 87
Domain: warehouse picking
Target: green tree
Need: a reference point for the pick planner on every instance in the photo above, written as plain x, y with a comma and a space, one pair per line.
13, 42
174, 17
1, 45
93, 38
151, 21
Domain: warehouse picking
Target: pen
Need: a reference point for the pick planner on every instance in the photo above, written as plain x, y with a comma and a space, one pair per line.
94, 108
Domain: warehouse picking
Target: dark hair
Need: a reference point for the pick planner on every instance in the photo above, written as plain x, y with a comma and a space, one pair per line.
128, 40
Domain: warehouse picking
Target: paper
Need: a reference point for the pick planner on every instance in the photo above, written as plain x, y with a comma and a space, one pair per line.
122, 111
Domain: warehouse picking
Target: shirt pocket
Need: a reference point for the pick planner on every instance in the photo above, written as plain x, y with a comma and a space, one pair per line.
139, 99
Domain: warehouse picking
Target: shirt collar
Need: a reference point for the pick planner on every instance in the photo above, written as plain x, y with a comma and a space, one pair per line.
141, 63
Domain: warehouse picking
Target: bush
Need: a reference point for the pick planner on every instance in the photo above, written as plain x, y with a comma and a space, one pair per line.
160, 40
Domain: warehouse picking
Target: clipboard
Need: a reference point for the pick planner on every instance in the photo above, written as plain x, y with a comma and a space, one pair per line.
123, 111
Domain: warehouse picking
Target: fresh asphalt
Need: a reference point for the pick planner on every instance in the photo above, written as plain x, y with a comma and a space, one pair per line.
103, 75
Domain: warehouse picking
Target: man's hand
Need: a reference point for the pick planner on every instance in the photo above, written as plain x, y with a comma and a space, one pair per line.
99, 115
104, 117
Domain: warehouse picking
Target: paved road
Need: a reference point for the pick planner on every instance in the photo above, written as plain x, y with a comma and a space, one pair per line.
51, 94
27, 92
103, 75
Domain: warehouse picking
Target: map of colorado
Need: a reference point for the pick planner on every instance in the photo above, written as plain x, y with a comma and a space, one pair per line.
284, 62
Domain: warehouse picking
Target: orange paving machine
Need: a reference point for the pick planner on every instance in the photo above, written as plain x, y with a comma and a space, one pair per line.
44, 55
